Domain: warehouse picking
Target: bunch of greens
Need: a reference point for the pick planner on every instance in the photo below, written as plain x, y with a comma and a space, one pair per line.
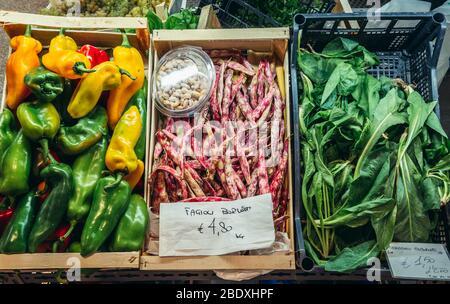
185, 19
282, 11
375, 159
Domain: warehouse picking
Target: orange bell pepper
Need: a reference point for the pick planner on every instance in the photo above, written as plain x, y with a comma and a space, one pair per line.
20, 63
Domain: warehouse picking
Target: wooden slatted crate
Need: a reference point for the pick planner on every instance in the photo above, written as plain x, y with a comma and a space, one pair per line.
273, 40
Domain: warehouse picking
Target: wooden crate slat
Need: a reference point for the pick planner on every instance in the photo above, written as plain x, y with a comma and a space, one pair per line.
40, 261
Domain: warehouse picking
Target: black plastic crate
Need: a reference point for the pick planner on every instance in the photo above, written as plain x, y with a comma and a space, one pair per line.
408, 45
364, 4
231, 12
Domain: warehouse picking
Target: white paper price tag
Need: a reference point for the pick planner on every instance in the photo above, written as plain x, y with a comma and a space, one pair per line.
419, 261
216, 228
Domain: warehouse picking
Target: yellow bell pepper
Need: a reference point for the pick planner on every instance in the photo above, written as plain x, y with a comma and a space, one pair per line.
62, 42
129, 58
64, 60
20, 63
134, 177
106, 77
120, 156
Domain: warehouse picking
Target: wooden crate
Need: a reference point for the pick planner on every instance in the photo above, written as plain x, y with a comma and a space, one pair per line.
260, 40
98, 32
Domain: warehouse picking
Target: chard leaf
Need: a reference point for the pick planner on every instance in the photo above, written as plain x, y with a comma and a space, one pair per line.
384, 228
340, 47
307, 104
434, 123
436, 147
443, 164
418, 113
318, 159
367, 94
360, 214
416, 153
331, 85
317, 69
430, 192
342, 174
349, 80
373, 179
385, 116
412, 223
352, 258
386, 84
355, 54
343, 80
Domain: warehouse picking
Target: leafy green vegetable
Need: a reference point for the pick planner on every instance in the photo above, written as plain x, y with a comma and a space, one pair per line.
185, 19
154, 22
353, 258
385, 116
375, 158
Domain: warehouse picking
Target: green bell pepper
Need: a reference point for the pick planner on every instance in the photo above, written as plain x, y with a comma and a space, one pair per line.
132, 228
40, 122
62, 102
110, 201
16, 166
15, 236
44, 84
7, 133
85, 133
140, 101
59, 177
87, 170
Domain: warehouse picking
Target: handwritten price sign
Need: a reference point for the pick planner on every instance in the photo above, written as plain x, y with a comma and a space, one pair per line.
215, 228
419, 261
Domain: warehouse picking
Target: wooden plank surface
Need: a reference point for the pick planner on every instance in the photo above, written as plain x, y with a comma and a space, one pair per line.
41, 261
208, 18
343, 6
266, 34
276, 262
73, 22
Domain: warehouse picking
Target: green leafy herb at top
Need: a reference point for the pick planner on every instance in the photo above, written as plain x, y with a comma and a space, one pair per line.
185, 19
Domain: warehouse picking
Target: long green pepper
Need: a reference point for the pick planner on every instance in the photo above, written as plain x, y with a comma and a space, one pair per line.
15, 167
131, 230
87, 170
59, 177
7, 133
110, 201
15, 236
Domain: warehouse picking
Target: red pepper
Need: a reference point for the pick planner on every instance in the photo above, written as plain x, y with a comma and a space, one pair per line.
47, 246
5, 216
55, 156
95, 55
6, 213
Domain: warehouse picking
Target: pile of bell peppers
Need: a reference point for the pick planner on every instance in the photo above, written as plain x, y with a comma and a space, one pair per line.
72, 146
